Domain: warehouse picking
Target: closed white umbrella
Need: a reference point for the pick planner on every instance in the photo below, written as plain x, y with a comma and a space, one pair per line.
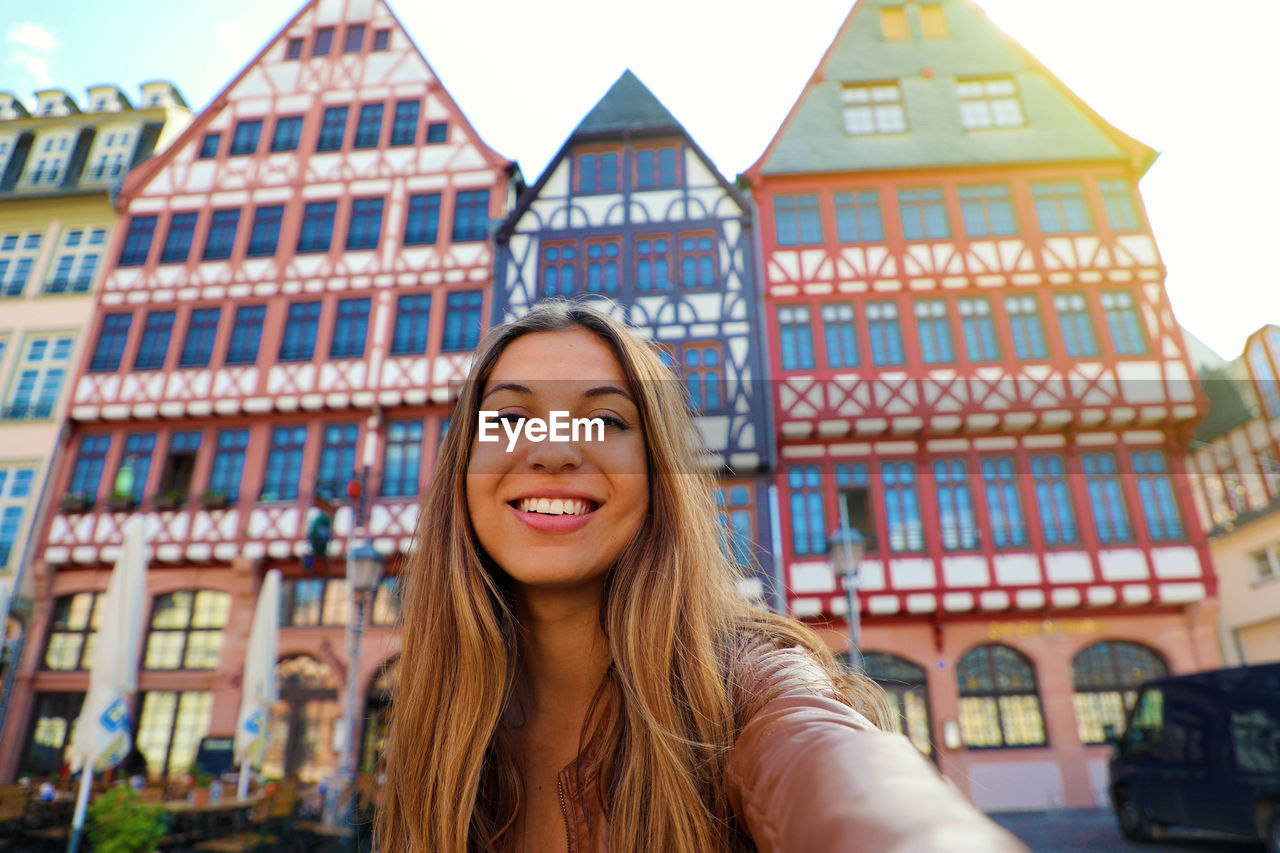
102, 736
259, 681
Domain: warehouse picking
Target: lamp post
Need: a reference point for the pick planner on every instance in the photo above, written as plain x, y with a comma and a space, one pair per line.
364, 572
846, 546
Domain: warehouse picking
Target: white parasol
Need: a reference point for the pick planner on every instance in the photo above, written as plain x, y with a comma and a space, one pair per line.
259, 692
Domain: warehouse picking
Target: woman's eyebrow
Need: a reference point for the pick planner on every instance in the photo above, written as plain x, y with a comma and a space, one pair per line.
507, 386
601, 390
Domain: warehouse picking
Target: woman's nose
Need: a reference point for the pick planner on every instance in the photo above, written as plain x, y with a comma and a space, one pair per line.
553, 456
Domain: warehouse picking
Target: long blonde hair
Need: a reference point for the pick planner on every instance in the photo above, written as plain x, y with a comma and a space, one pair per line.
671, 616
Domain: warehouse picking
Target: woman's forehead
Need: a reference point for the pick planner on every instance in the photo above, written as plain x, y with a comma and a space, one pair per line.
570, 356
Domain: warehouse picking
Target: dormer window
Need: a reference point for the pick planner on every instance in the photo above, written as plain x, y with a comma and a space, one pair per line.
989, 103
873, 109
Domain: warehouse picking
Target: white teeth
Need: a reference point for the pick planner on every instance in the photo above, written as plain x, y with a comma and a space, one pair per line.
555, 506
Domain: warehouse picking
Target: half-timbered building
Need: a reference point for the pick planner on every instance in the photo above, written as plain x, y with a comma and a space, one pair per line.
632, 213
977, 366
293, 286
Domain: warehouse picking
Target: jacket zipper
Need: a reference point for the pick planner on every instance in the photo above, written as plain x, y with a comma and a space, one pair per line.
564, 813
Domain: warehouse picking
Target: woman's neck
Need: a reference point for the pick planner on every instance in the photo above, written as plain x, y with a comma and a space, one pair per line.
565, 653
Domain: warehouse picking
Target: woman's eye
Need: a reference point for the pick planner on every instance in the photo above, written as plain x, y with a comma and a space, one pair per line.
510, 417
614, 422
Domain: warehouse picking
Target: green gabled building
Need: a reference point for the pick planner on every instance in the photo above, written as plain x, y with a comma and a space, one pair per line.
976, 365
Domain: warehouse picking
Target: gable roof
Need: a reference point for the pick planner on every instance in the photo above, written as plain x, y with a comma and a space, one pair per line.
1059, 125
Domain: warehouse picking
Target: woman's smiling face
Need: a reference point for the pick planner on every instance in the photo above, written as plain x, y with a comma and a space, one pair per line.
558, 514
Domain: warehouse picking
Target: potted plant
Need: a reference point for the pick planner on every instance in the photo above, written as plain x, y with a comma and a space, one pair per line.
200, 782
121, 501
76, 502
119, 822
215, 499
171, 499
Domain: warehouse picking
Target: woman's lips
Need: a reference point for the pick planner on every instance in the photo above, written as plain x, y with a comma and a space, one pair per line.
552, 523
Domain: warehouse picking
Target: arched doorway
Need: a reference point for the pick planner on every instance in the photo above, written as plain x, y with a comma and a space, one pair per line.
908, 695
303, 721
376, 714
1106, 676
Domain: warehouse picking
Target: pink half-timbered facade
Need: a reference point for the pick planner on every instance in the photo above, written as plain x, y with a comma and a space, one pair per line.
293, 286
976, 365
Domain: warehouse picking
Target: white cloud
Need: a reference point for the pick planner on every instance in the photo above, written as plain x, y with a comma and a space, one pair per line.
37, 37
36, 66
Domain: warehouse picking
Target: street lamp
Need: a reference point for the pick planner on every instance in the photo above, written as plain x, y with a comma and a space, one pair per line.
846, 546
364, 572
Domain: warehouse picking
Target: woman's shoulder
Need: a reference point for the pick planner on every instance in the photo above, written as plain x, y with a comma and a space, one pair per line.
764, 669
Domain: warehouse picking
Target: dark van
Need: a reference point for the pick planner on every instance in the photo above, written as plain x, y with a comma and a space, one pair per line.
1202, 751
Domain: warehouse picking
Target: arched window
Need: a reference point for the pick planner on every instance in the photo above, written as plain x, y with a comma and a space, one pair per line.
1106, 676
73, 631
376, 719
302, 722
999, 702
187, 630
904, 682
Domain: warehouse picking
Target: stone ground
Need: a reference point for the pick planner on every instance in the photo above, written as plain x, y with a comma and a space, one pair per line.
1095, 831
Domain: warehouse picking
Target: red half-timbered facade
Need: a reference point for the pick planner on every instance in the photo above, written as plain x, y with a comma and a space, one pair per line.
293, 286
977, 366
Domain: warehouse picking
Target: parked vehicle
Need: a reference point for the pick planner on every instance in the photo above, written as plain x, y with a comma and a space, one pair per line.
1202, 751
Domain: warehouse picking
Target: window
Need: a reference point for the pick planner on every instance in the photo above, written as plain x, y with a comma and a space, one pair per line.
989, 103
854, 494
1053, 497
808, 514
222, 235
333, 127
42, 366
1254, 745
1077, 326
797, 220
933, 21
893, 24
15, 493
154, 347
77, 261
209, 146
300, 328
52, 721
413, 320
959, 526
246, 333
323, 41
87, 473
402, 459
1266, 564
870, 110
293, 49
228, 463
365, 226
1004, 509
74, 631
337, 459
559, 267
470, 216
1106, 677
177, 243
598, 173
1123, 322
1028, 331
354, 42
287, 134
656, 168
423, 222
885, 334
317, 226
1102, 479
137, 241
999, 702
197, 348
1264, 378
350, 328
368, 126
437, 132
902, 506
17, 258
462, 320
264, 236
135, 466
906, 690
840, 335
179, 466
922, 213
305, 603
795, 337
653, 269
381, 39
858, 217
698, 267
933, 325
1155, 491
246, 136
979, 330
737, 520
111, 340
170, 727
987, 211
284, 462
602, 265
1118, 200
404, 123
187, 630
1061, 208
703, 375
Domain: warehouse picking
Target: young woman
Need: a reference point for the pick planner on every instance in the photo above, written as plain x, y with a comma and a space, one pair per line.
578, 671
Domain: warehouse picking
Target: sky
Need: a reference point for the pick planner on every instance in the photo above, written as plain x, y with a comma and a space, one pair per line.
1186, 78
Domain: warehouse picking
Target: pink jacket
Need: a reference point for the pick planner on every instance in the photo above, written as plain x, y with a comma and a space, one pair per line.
808, 774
